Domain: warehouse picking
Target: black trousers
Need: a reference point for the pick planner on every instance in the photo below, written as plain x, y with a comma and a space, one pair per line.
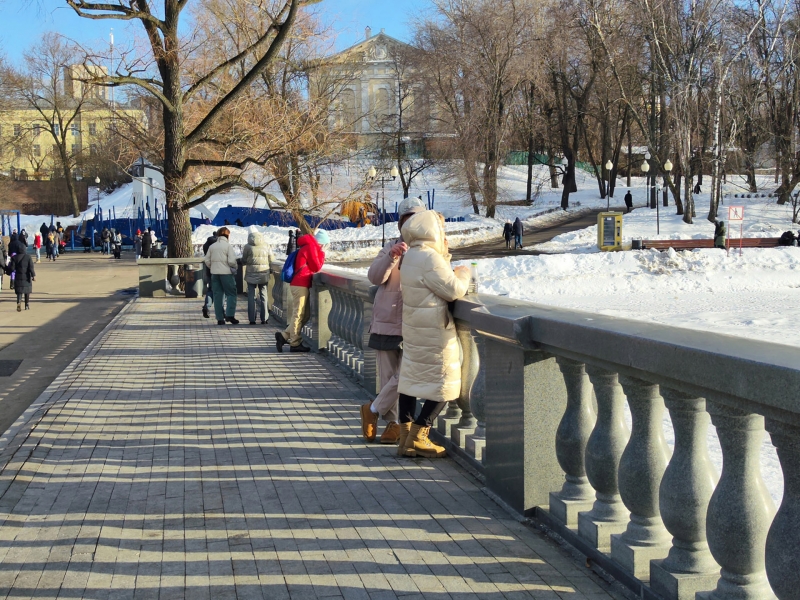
20, 295
407, 406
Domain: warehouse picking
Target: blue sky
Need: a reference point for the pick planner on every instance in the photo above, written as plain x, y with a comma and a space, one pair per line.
23, 22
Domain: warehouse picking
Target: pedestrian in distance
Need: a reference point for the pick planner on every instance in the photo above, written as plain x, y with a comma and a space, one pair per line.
720, 233
256, 258
147, 244
517, 229
209, 300
137, 244
58, 237
697, 188
37, 244
23, 237
508, 233
291, 245
105, 237
117, 245
629, 201
431, 366
44, 230
153, 236
24, 276
14, 245
309, 259
386, 330
221, 260
4, 260
49, 245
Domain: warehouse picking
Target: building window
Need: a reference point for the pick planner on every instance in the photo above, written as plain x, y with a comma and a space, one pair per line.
92, 128
36, 130
74, 129
17, 129
56, 129
37, 150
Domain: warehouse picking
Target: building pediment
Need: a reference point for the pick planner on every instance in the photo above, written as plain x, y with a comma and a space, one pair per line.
378, 48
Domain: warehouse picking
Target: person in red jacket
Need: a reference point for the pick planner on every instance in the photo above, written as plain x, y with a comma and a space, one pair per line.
309, 260
37, 243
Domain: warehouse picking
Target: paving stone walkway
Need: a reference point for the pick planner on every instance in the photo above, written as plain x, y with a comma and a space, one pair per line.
178, 459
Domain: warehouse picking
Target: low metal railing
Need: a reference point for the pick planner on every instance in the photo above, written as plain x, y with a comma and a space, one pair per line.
541, 414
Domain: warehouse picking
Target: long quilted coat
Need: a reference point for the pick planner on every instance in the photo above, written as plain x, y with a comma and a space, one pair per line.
431, 367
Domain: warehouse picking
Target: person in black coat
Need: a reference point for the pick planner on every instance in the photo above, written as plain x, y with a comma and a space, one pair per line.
147, 244
14, 245
508, 233
629, 201
291, 246
23, 278
517, 229
44, 230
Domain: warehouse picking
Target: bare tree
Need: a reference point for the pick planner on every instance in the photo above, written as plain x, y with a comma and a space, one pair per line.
50, 85
199, 92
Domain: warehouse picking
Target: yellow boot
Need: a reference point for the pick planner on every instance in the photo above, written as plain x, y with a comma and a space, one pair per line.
418, 444
402, 437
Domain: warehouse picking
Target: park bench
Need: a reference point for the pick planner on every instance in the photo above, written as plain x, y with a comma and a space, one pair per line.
709, 243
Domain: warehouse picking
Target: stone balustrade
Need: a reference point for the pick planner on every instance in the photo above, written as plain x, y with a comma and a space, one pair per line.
541, 415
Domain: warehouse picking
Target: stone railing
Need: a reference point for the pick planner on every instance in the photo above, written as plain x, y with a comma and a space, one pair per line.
158, 277
541, 415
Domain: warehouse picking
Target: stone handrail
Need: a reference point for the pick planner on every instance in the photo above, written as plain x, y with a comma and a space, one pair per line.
541, 416
154, 273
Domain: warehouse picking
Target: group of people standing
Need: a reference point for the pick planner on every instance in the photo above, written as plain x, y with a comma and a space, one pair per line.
143, 243
413, 332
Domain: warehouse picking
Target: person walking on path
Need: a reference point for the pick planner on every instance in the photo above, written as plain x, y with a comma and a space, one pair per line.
44, 230
3, 260
147, 244
37, 244
256, 257
137, 244
14, 245
517, 229
291, 245
23, 237
720, 233
431, 366
386, 330
221, 260
309, 260
508, 233
49, 245
24, 276
105, 237
209, 301
629, 201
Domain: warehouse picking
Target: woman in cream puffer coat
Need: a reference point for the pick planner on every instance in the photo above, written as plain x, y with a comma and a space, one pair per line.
431, 367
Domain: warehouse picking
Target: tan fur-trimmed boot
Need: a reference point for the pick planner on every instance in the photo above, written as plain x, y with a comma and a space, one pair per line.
402, 438
419, 444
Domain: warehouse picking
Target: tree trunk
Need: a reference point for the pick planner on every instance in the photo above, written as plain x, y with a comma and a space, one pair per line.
529, 187
73, 196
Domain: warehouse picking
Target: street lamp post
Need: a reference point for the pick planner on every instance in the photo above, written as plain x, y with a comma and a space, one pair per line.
645, 169
372, 174
609, 166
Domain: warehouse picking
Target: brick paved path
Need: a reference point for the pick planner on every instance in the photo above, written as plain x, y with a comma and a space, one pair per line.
179, 459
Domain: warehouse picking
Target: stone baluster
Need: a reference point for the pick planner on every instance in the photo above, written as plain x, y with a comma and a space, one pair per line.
783, 541
603, 452
740, 510
684, 494
473, 380
335, 323
467, 423
576, 425
449, 420
640, 471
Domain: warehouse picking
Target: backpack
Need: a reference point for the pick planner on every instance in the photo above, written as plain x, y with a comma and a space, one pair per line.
287, 272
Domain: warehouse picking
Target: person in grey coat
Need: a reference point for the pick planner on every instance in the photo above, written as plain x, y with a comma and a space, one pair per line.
256, 257
3, 260
24, 277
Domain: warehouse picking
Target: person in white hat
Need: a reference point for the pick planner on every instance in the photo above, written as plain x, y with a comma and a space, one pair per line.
386, 331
